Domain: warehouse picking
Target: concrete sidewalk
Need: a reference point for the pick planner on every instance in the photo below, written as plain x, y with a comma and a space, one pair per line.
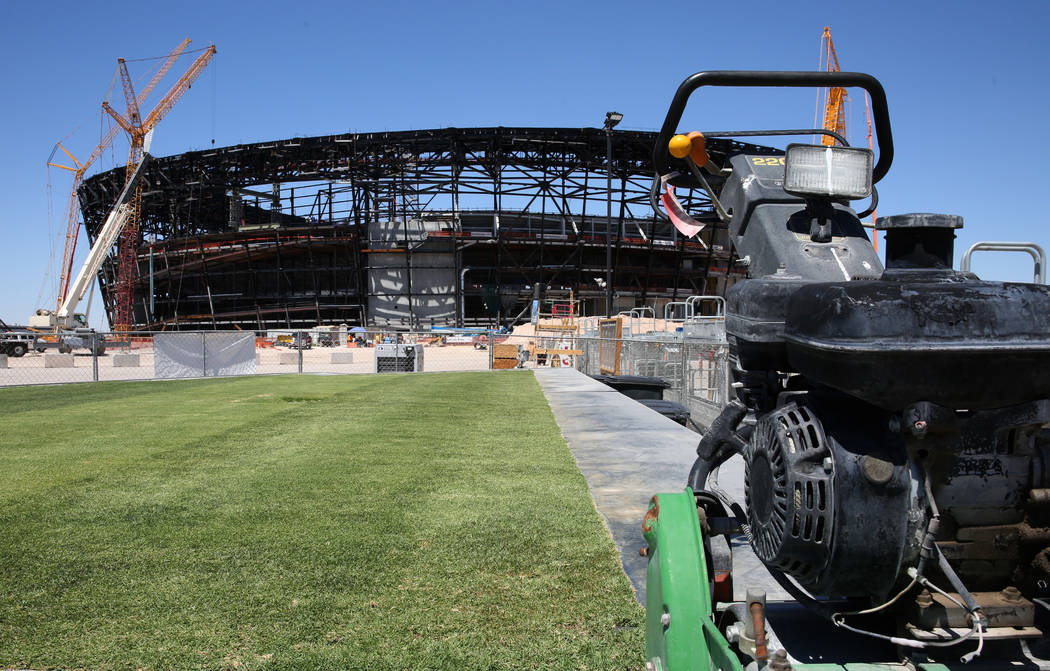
627, 453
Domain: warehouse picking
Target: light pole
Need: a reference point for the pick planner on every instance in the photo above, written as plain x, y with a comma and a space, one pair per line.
611, 119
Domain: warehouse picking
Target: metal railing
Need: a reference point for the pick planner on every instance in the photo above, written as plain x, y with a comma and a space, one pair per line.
697, 370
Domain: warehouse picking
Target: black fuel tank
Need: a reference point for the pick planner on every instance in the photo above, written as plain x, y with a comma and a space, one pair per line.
755, 314
917, 335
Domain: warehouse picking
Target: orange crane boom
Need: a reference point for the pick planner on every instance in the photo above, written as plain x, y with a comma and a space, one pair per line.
137, 130
72, 225
835, 108
132, 123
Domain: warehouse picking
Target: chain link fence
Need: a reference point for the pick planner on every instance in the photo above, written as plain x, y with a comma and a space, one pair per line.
697, 370
146, 355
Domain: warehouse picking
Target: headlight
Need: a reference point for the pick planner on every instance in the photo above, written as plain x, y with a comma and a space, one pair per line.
836, 172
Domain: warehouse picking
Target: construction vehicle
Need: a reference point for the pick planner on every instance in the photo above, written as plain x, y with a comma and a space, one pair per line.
297, 340
68, 329
887, 426
15, 341
483, 340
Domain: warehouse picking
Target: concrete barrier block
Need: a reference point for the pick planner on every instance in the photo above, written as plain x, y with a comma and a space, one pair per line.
289, 358
125, 360
3, 361
342, 357
58, 360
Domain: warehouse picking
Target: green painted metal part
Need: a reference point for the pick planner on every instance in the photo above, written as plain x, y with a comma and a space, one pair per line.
680, 632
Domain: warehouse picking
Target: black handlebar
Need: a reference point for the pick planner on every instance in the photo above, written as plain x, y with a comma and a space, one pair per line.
661, 156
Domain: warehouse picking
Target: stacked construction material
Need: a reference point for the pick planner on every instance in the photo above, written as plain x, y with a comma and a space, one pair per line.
504, 356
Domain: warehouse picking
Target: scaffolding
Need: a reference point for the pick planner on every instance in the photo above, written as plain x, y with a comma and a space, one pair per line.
556, 331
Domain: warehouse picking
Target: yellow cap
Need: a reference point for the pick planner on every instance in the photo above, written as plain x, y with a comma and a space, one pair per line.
679, 146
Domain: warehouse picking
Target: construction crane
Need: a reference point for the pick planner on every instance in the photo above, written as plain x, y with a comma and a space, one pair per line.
72, 224
70, 328
137, 128
835, 104
835, 97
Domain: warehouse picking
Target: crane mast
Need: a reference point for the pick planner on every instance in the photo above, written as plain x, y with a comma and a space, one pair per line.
137, 129
835, 107
111, 229
72, 224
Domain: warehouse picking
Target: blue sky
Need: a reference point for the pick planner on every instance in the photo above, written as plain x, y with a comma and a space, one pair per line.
966, 83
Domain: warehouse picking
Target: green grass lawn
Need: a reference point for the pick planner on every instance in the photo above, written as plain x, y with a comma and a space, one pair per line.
432, 521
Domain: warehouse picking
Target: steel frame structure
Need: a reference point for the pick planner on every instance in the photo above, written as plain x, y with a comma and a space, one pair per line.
279, 234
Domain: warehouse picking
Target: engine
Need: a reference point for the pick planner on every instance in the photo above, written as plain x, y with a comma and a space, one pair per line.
837, 495
891, 419
918, 410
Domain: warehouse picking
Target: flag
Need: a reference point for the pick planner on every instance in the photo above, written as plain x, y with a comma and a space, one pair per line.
688, 226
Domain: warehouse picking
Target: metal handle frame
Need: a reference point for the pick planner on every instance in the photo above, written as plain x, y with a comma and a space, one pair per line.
1030, 248
694, 301
751, 78
669, 309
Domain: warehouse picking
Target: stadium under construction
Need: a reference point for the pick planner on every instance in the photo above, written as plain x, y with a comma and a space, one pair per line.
406, 230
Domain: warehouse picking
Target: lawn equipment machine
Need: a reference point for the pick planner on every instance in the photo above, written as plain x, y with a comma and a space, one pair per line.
890, 422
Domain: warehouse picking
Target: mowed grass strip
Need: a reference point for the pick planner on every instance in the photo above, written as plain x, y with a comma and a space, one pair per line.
433, 521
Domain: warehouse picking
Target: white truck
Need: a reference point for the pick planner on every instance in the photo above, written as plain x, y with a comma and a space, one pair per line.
15, 341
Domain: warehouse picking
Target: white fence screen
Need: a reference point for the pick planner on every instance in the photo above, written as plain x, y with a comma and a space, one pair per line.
211, 354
